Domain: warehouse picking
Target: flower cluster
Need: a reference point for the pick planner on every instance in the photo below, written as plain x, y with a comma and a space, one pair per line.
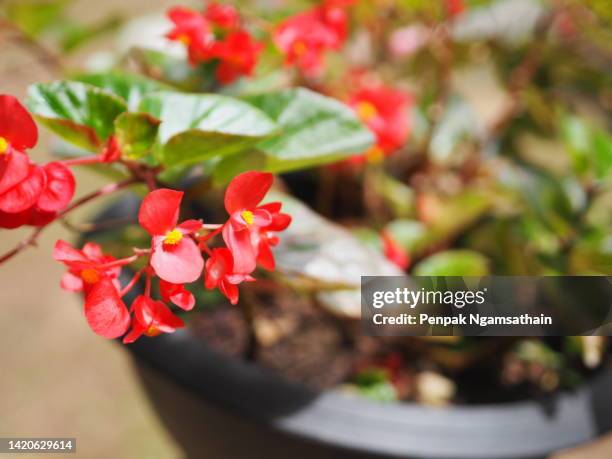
305, 37
385, 111
176, 257
216, 35
30, 194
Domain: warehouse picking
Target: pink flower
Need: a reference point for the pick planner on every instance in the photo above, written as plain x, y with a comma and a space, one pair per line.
151, 318
176, 257
220, 274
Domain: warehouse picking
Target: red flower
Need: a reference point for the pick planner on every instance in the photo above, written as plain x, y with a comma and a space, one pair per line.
105, 312
304, 38
176, 257
17, 128
242, 196
59, 188
384, 110
224, 16
455, 7
29, 194
151, 318
86, 267
237, 54
394, 252
23, 195
266, 237
191, 29
177, 294
220, 274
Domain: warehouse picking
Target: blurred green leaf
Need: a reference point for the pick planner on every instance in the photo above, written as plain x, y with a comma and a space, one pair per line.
453, 263
197, 127
412, 235
136, 134
130, 87
36, 16
592, 254
315, 129
75, 35
78, 112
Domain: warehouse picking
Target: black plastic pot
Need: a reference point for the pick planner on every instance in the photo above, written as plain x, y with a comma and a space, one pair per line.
337, 422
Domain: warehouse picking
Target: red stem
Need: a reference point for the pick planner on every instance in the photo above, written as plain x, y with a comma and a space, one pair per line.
31, 240
82, 161
132, 283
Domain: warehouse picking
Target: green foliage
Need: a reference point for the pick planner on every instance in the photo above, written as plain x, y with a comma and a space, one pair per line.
78, 112
315, 130
197, 127
453, 263
136, 134
130, 87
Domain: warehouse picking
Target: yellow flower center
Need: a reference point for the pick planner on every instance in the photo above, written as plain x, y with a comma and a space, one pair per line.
184, 39
173, 237
248, 217
366, 111
3, 145
90, 276
375, 155
152, 331
299, 48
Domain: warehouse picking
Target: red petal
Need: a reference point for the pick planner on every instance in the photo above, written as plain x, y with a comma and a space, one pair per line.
16, 124
243, 252
178, 264
135, 333
71, 282
65, 253
247, 190
14, 168
230, 291
190, 226
12, 221
177, 294
59, 189
41, 218
265, 258
164, 319
25, 194
159, 211
218, 266
106, 313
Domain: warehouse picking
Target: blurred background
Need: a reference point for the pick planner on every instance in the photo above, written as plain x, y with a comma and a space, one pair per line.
59, 379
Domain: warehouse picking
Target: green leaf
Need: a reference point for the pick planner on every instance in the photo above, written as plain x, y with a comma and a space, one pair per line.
130, 87
602, 155
79, 113
136, 134
453, 263
197, 127
230, 166
34, 16
316, 129
412, 235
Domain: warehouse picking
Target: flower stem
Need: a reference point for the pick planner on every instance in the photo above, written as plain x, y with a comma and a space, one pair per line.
31, 240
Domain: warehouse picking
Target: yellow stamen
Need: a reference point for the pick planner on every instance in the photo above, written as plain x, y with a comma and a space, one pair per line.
248, 217
366, 111
299, 48
184, 39
173, 237
90, 276
152, 331
3, 145
375, 155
